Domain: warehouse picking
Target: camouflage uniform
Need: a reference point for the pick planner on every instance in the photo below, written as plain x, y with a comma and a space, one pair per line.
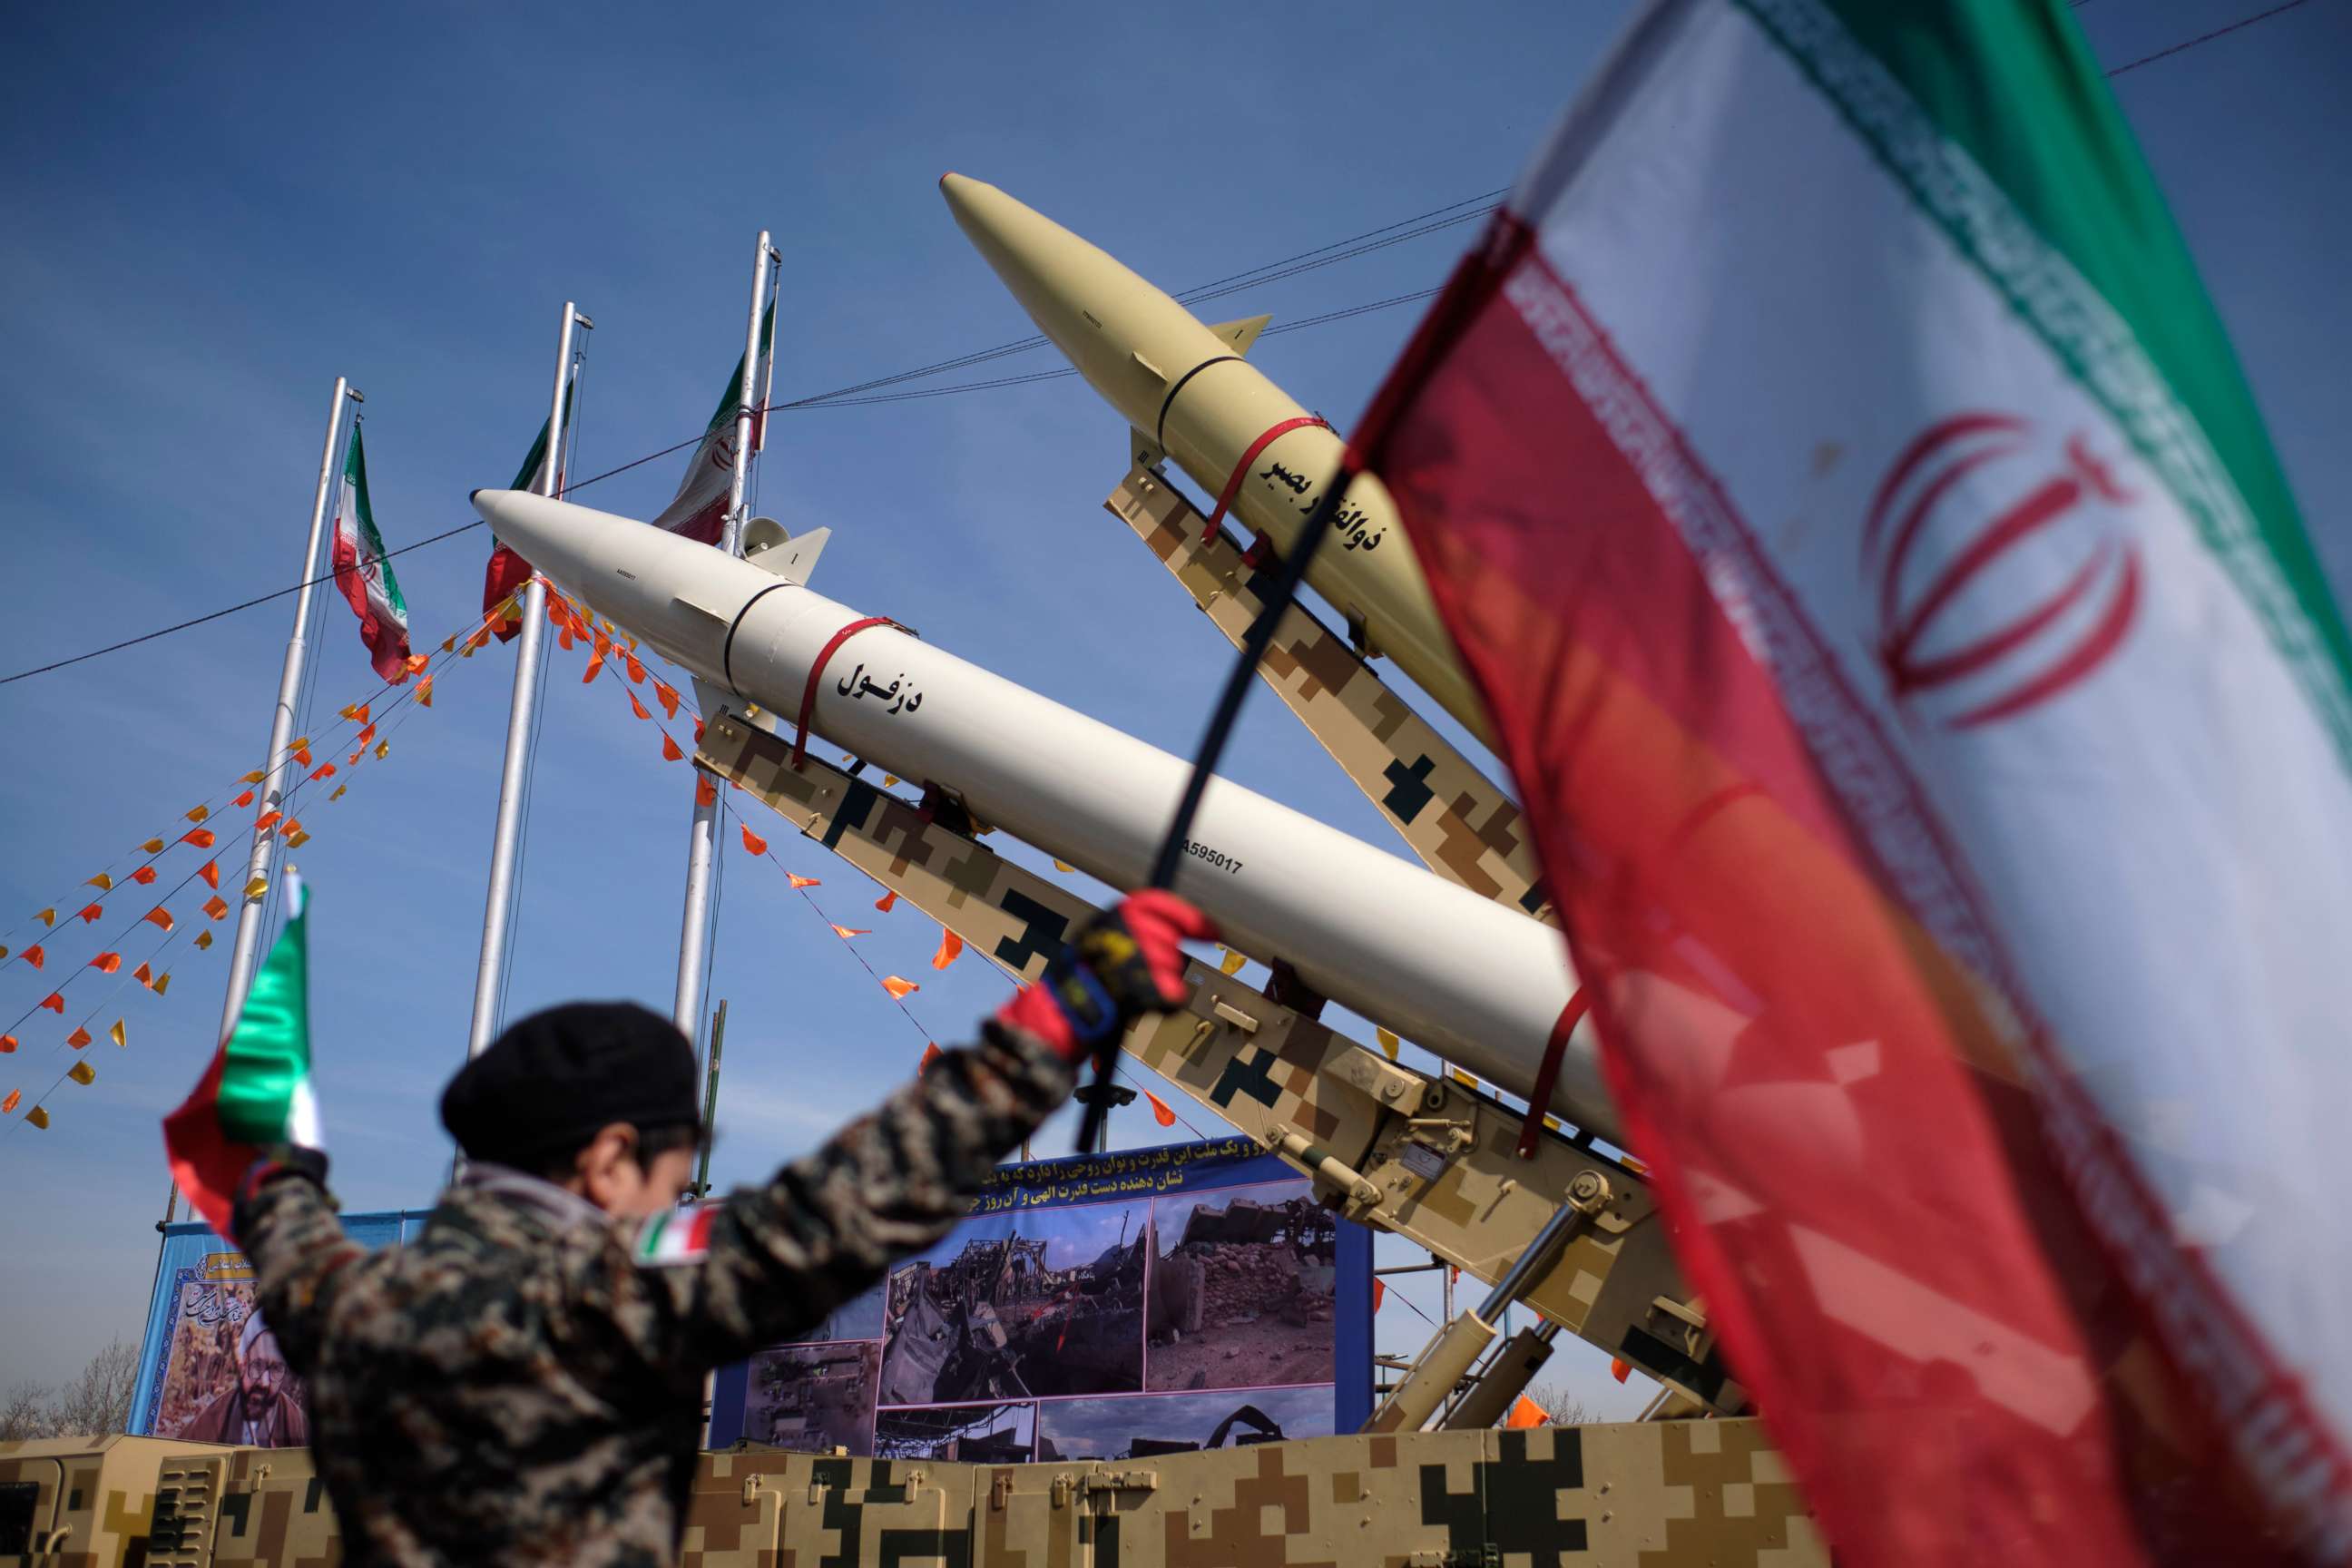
517, 1387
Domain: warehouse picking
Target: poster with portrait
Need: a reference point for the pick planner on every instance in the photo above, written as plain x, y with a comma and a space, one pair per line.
210, 1369
1134, 1303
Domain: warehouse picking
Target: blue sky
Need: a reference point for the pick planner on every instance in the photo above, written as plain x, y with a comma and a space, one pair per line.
210, 219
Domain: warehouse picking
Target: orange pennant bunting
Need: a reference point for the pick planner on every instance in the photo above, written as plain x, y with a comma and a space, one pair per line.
55, 1004
89, 914
887, 902
245, 799
158, 916
899, 988
1524, 1413
475, 644
107, 963
215, 907
364, 736
153, 847
596, 666
1160, 1110
630, 662
37, 1117
211, 873
931, 1053
164, 979
752, 841
417, 661
302, 752
197, 813
800, 881
296, 838
425, 692
353, 760
8, 1045
950, 948
383, 750
36, 957
670, 753
255, 777
356, 713
144, 875
291, 827
323, 771
49, 918
16, 1097
205, 938
78, 1038
256, 887
667, 695
639, 708
267, 820
338, 794
202, 837
102, 882
144, 975
118, 1035
1620, 1368
706, 793
448, 643
697, 732
81, 1072
563, 638
844, 933
1379, 1293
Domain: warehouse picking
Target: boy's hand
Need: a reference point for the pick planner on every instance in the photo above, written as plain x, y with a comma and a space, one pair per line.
1123, 964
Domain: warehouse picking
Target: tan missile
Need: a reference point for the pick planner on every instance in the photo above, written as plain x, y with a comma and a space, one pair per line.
1189, 392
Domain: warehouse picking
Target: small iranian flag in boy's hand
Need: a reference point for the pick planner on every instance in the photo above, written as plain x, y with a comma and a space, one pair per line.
257, 1092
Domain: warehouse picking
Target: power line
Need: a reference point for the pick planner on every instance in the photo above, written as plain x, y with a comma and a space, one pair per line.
2205, 38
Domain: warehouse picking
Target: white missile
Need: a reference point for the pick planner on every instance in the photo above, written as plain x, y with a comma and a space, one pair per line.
1479, 983
1188, 392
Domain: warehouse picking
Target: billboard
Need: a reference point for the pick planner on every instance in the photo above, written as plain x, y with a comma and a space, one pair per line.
209, 1369
1186, 1296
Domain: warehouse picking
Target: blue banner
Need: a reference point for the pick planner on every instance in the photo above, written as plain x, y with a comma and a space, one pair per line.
1105, 1305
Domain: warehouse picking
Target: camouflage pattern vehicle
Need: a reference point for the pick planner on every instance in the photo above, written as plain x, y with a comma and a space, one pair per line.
1670, 1494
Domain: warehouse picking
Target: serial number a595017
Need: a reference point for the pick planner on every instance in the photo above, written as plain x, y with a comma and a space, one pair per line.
1217, 858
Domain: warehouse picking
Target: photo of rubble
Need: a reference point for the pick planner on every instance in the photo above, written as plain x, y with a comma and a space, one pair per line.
859, 1317
813, 1398
1154, 1424
1020, 1306
1242, 1288
974, 1434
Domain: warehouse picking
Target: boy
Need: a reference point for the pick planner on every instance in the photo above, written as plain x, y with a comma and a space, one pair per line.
523, 1383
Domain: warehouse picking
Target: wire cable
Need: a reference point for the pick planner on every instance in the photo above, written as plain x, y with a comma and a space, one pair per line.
2189, 44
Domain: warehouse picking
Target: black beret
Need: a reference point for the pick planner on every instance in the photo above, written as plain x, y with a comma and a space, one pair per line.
550, 1082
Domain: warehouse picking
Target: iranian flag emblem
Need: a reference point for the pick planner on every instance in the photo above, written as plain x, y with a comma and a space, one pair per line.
699, 511
364, 573
257, 1092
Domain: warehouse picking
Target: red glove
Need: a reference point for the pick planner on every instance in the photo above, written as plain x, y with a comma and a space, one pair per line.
1123, 964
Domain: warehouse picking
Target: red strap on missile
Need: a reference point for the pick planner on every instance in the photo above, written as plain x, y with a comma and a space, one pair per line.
1548, 1075
816, 673
1241, 469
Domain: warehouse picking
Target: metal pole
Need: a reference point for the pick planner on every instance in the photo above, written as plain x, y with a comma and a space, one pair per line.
694, 925
246, 953
711, 1103
506, 840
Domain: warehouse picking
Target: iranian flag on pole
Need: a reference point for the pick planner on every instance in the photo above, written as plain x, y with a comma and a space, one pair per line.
699, 511
508, 570
257, 1092
1936, 736
365, 575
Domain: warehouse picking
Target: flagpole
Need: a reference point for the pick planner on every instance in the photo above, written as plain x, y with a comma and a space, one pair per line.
694, 925
246, 953
521, 715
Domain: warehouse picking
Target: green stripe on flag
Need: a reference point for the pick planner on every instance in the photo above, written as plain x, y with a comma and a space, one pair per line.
1994, 116
269, 1055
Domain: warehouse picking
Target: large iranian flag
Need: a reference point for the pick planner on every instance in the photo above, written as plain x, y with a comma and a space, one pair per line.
1937, 741
364, 573
257, 1092
699, 511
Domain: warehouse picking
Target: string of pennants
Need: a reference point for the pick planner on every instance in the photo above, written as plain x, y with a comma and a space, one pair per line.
365, 727
610, 648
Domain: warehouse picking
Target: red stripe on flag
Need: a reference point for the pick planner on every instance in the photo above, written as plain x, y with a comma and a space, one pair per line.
1856, 1171
387, 644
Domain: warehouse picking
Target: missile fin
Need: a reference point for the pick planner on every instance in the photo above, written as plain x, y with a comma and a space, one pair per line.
793, 559
1142, 452
1242, 333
